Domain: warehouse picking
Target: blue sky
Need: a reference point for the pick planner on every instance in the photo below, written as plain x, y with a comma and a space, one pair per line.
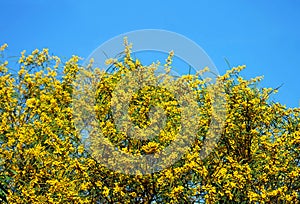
264, 35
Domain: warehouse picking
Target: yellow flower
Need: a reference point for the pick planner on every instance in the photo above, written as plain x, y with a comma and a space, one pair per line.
105, 191
80, 149
3, 47
31, 102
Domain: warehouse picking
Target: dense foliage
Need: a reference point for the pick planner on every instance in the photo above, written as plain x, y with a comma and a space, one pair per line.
43, 158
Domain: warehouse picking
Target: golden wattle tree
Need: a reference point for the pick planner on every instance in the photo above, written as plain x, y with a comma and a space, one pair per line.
43, 157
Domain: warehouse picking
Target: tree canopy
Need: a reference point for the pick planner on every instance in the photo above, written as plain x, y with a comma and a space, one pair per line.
44, 158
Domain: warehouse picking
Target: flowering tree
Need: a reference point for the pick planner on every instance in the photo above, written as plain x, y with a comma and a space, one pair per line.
44, 159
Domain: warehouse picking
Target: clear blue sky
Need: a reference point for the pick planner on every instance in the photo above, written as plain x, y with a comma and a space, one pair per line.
264, 35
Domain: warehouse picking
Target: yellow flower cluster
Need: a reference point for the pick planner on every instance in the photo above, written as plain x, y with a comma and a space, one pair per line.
43, 159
